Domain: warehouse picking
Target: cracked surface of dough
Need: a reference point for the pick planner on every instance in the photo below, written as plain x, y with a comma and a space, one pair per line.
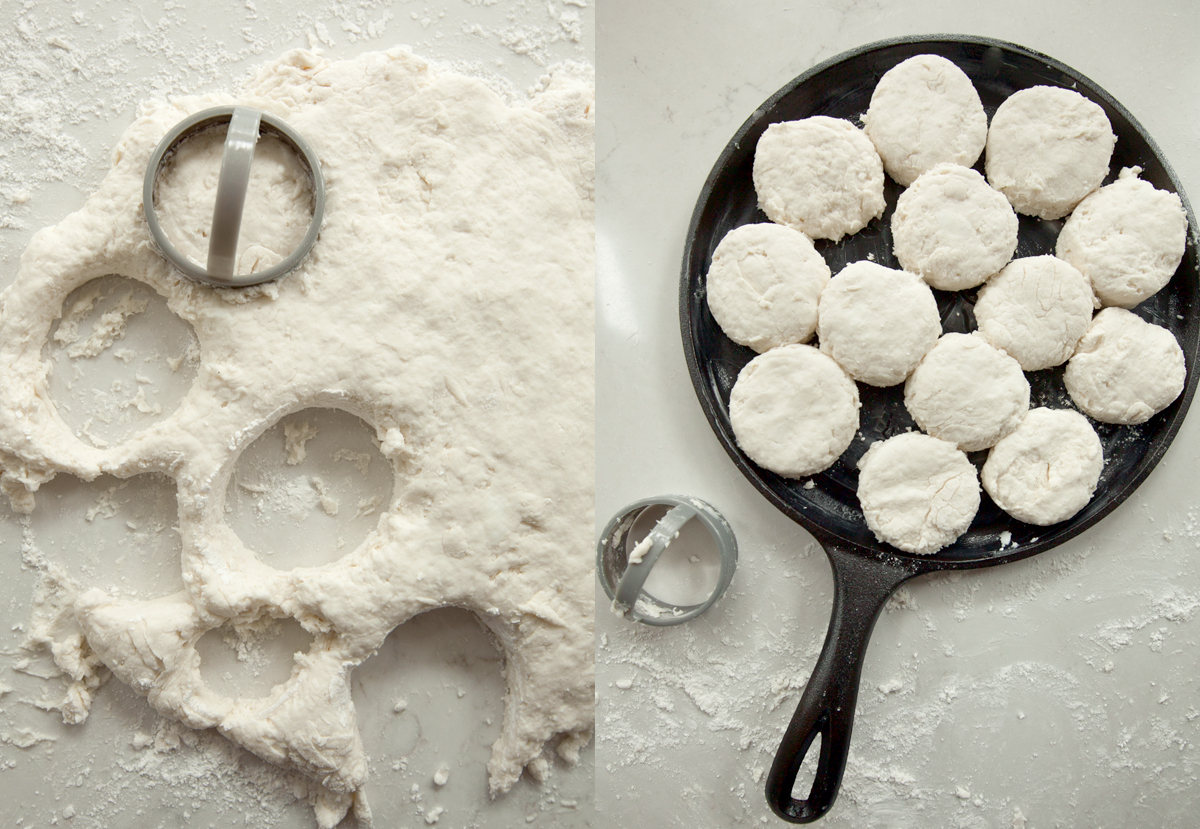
925, 111
1125, 370
877, 323
967, 392
1127, 237
1047, 148
918, 493
763, 285
1047, 469
449, 304
952, 229
819, 175
793, 410
1036, 310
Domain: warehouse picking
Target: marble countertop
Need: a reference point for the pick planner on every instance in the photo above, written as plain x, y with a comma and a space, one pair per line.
1056, 691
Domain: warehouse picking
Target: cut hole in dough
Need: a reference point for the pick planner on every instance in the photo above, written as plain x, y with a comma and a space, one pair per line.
249, 659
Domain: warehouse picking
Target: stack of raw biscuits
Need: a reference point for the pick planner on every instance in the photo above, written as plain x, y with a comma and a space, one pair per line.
794, 408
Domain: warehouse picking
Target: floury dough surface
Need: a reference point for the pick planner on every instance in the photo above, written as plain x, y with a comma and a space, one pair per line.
1047, 148
1125, 370
819, 175
763, 285
925, 111
1127, 237
877, 322
793, 410
918, 493
952, 229
1036, 310
447, 303
1045, 471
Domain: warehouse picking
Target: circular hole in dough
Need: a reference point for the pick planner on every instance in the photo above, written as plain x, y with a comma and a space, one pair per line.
1128, 238
918, 493
877, 323
819, 175
1047, 469
763, 285
1047, 148
1125, 370
248, 659
952, 229
120, 360
925, 111
1035, 310
309, 489
793, 410
967, 392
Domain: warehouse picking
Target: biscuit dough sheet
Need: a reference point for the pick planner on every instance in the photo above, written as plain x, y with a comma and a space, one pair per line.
448, 304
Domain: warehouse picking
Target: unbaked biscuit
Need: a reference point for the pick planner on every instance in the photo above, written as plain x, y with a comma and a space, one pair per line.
820, 175
923, 112
793, 410
1047, 148
877, 323
764, 284
952, 229
1127, 238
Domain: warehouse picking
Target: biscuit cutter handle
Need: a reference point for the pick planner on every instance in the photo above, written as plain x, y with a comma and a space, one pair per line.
232, 184
862, 583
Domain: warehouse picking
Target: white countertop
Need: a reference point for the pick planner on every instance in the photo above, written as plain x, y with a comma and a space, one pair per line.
1056, 691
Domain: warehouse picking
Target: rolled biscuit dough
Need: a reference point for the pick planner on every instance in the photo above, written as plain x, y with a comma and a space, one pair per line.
793, 410
877, 323
918, 493
1047, 148
1125, 370
819, 175
763, 285
967, 392
1036, 310
1127, 237
1047, 469
925, 111
952, 229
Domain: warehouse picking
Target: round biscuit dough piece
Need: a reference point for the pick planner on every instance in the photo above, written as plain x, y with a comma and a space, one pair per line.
1045, 471
967, 392
918, 493
793, 410
1047, 148
819, 175
1036, 310
877, 323
923, 112
1127, 237
952, 229
1125, 370
764, 284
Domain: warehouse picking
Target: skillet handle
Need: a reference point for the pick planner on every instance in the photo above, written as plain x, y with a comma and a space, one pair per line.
861, 585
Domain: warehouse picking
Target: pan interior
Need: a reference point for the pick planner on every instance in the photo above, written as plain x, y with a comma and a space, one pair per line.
827, 503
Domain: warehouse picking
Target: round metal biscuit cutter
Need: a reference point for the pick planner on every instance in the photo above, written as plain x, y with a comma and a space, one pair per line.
245, 126
623, 572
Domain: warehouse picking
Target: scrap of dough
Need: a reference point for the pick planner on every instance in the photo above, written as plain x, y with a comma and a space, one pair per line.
1036, 310
967, 392
458, 242
1127, 237
925, 111
793, 410
1125, 370
877, 323
1047, 148
952, 229
1045, 471
819, 175
763, 285
918, 493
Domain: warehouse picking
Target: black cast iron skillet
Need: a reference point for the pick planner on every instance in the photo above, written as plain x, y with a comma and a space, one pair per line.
866, 571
